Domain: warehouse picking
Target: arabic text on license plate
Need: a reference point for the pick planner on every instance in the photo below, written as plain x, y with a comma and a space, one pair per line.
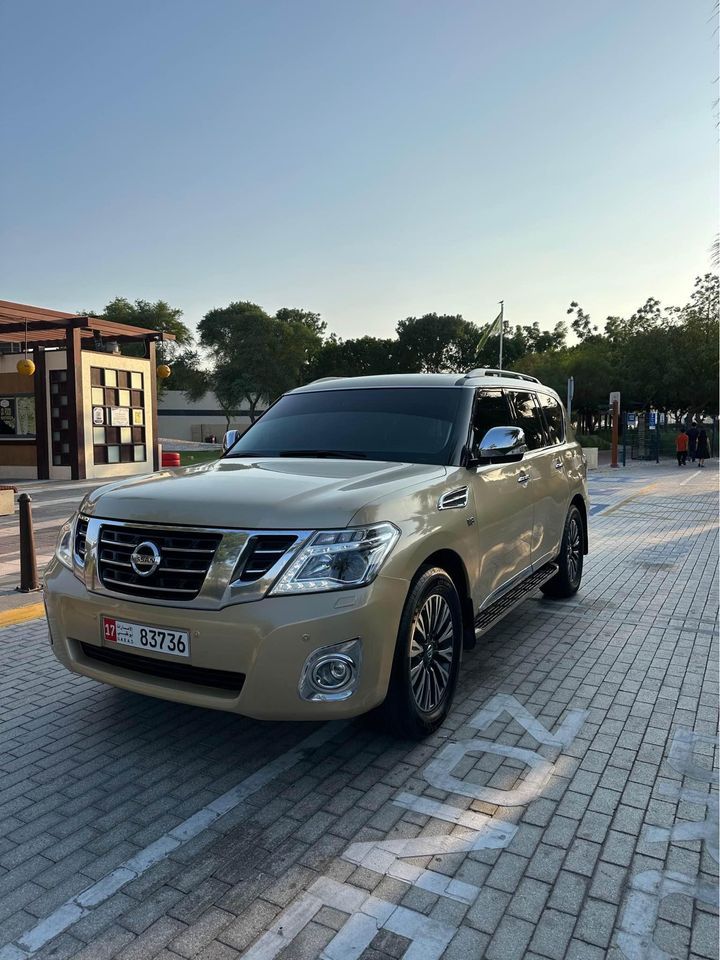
161, 640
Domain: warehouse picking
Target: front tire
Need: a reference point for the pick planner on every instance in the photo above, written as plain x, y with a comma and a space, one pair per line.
427, 657
566, 581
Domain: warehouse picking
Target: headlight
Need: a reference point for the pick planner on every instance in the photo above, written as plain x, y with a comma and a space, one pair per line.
338, 559
64, 548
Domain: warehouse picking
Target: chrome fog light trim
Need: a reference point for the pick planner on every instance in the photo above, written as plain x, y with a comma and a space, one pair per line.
331, 673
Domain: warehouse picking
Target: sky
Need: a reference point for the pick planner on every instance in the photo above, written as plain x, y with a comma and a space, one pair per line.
366, 159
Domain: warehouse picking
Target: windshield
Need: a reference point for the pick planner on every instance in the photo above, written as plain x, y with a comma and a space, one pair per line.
403, 424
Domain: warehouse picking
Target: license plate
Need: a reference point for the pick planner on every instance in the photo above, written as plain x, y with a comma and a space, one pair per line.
144, 637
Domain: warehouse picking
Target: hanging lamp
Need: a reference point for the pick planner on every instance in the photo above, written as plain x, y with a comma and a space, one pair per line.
25, 367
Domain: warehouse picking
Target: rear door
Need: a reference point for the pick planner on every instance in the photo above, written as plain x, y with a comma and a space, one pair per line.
503, 505
541, 417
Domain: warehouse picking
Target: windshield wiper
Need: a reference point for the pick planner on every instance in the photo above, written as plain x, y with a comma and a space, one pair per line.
333, 454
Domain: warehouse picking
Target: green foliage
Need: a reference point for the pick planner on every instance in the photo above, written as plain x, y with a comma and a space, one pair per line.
311, 320
158, 316
256, 357
662, 357
355, 358
435, 344
665, 358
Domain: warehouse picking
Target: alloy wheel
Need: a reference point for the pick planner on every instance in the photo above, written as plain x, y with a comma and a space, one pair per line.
574, 549
431, 652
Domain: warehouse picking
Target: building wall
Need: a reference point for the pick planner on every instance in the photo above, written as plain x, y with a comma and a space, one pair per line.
182, 419
18, 455
108, 361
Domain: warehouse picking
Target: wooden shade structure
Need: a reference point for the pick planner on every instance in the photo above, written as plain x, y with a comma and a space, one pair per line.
49, 328
43, 329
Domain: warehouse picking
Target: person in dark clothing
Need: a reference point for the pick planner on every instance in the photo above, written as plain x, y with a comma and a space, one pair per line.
692, 433
703, 448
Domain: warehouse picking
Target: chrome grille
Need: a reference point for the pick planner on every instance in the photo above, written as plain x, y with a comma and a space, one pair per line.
80, 546
261, 554
185, 560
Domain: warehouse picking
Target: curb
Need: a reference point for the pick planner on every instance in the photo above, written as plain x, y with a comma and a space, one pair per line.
32, 611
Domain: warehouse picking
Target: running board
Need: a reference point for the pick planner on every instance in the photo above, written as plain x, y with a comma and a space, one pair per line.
488, 617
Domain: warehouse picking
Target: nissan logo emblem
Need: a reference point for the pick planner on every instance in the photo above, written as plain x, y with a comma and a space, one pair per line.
145, 558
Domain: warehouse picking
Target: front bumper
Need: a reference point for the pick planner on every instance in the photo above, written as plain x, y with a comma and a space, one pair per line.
267, 641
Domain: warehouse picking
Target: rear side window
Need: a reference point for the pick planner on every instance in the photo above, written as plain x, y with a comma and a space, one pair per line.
491, 410
554, 418
528, 416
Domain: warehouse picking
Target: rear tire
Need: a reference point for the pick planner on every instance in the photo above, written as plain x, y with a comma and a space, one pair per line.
566, 581
427, 658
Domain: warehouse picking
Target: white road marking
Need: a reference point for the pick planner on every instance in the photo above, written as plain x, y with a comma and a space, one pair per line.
35, 938
693, 476
477, 831
648, 889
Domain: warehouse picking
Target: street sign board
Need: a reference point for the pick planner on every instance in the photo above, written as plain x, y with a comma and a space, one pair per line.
615, 395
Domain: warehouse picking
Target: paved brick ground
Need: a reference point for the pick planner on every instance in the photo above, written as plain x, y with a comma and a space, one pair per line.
568, 808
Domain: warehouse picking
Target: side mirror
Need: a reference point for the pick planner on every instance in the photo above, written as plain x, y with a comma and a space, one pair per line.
502, 445
229, 440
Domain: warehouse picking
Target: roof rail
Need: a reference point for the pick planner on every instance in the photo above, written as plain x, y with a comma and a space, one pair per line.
492, 372
323, 379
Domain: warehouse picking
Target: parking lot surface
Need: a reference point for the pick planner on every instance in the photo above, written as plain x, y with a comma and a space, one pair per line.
567, 808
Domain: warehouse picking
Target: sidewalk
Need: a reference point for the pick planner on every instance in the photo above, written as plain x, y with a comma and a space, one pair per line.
566, 809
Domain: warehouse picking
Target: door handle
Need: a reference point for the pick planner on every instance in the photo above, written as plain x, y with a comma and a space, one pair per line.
558, 464
523, 478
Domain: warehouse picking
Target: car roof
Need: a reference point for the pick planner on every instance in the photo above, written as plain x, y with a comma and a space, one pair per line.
473, 379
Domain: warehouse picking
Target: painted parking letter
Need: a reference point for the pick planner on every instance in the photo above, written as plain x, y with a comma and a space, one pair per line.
368, 915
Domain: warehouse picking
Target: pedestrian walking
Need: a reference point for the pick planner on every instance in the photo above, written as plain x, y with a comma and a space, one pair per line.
692, 433
703, 448
681, 447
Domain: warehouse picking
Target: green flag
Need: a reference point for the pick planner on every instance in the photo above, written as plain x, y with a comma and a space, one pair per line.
491, 330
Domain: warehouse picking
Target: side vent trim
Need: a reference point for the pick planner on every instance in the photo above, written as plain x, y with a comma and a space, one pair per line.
454, 500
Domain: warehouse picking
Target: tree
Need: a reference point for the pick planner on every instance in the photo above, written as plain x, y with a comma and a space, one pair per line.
361, 357
158, 316
582, 328
255, 357
437, 344
311, 320
188, 374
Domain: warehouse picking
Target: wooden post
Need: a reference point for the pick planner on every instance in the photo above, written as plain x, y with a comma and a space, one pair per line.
76, 407
615, 414
42, 438
152, 357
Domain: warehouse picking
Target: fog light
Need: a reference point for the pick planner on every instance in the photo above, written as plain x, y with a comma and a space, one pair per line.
331, 673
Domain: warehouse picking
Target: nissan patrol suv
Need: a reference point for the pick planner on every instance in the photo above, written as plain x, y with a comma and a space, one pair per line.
337, 559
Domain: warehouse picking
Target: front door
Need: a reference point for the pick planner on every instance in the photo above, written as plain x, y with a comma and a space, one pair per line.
503, 505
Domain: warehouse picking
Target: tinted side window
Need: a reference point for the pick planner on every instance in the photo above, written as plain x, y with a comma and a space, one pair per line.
528, 416
491, 410
554, 418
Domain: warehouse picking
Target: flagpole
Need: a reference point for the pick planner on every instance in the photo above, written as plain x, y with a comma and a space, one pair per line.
502, 326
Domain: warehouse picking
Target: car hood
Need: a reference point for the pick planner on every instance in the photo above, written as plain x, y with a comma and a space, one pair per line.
270, 494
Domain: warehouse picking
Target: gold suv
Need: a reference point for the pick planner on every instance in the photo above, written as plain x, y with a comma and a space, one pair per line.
339, 556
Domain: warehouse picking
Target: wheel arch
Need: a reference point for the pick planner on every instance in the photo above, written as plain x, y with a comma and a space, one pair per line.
452, 563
